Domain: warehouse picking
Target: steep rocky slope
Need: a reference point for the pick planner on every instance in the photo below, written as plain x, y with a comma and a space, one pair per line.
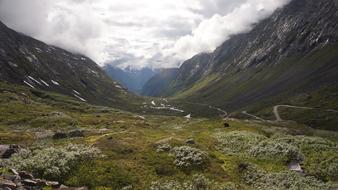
294, 51
26, 61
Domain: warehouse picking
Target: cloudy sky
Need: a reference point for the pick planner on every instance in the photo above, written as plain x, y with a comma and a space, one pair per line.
139, 33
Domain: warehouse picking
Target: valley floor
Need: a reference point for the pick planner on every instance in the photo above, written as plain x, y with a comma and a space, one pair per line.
103, 148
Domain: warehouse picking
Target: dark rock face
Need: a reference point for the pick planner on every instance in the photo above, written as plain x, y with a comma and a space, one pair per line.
6, 151
29, 62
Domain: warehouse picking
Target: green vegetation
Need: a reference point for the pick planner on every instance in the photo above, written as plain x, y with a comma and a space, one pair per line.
51, 162
120, 150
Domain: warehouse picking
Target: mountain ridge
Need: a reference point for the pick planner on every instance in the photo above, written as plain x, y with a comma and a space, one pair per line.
293, 50
27, 61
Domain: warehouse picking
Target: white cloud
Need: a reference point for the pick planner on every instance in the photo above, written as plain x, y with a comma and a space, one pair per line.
135, 32
214, 31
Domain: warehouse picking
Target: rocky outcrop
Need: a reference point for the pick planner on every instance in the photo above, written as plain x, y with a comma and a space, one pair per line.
6, 151
14, 180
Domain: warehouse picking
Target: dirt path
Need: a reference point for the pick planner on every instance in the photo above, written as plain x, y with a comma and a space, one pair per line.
251, 115
210, 107
276, 113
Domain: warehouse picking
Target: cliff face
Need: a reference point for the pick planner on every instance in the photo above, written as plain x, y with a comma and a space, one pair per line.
293, 51
26, 61
298, 29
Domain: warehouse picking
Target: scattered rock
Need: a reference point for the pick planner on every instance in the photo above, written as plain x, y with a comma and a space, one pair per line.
53, 184
29, 182
25, 175
23, 180
295, 166
13, 171
226, 125
190, 141
163, 147
76, 133
243, 166
4, 183
60, 135
6, 151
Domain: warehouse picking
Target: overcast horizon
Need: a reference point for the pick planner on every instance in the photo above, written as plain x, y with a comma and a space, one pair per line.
136, 33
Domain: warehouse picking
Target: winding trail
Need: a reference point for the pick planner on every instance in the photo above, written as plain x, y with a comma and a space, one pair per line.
276, 113
251, 115
210, 107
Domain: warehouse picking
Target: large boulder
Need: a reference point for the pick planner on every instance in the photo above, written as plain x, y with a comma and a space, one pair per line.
6, 151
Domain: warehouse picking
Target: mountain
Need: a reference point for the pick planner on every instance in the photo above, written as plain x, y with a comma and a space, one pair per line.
292, 52
27, 61
133, 79
159, 83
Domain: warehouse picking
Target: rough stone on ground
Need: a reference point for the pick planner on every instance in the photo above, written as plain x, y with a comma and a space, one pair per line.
6, 151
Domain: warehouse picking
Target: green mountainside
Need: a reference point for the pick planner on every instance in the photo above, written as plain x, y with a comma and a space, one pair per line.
293, 52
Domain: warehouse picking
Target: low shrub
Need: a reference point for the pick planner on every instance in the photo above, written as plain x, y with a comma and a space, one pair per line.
286, 180
320, 155
51, 162
187, 157
198, 182
269, 149
238, 142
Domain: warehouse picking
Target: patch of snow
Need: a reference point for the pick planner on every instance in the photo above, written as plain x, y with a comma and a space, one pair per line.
55, 83
44, 82
34, 57
39, 50
118, 86
28, 84
188, 116
141, 117
94, 72
178, 110
162, 105
2, 52
12, 64
29, 59
153, 103
83, 58
76, 92
83, 100
165, 100
34, 80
